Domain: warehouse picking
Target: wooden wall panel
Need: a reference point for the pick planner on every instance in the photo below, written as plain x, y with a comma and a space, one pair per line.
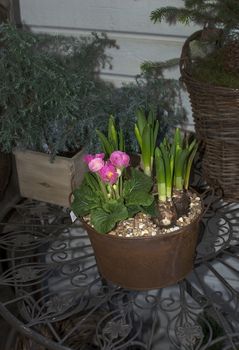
127, 21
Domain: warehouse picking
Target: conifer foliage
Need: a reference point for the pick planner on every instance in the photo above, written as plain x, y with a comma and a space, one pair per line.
220, 22
208, 13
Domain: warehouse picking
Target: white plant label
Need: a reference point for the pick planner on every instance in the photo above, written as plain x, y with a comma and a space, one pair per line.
73, 217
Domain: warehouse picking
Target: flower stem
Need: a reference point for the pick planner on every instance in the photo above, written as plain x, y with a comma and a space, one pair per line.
116, 190
103, 187
121, 186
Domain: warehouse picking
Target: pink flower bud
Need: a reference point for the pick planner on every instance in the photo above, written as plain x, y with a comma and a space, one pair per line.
96, 164
100, 155
88, 157
120, 159
108, 174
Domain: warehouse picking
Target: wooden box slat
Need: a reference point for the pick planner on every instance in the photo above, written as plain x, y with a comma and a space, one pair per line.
45, 181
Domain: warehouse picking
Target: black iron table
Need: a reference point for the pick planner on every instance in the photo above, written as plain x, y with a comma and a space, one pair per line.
59, 300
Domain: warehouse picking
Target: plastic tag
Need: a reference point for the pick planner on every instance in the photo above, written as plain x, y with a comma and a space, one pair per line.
73, 217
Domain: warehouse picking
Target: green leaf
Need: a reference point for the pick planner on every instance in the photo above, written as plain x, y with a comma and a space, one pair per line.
156, 130
92, 181
180, 161
85, 199
136, 190
167, 168
150, 210
103, 221
189, 166
172, 158
159, 166
107, 147
139, 198
138, 182
160, 174
191, 146
138, 136
151, 117
146, 146
178, 138
112, 133
141, 120
133, 209
110, 205
121, 140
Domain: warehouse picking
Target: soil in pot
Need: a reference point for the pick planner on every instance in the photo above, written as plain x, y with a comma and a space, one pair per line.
141, 225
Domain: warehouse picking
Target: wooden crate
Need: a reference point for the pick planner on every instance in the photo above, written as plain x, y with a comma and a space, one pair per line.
40, 179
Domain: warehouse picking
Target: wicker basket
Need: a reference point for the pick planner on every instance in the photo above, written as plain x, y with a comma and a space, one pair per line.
5, 170
216, 116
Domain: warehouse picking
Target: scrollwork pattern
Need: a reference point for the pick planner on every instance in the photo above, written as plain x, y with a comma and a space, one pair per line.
50, 264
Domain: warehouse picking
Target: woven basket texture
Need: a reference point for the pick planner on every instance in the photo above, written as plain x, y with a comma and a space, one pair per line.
231, 57
216, 116
5, 170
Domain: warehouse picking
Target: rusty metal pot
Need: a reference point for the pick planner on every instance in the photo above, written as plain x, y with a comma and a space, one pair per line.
144, 263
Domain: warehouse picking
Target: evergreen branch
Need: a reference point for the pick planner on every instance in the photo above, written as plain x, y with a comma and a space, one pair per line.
203, 12
172, 15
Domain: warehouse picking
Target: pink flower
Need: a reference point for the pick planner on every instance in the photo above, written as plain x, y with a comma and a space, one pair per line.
108, 174
119, 159
96, 164
88, 157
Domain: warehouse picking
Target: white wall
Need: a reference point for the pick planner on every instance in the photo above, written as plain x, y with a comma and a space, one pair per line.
127, 21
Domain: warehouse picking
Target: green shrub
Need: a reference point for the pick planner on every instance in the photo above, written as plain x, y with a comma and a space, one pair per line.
52, 99
47, 96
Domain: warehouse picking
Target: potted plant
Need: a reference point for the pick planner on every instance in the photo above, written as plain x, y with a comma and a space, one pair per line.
49, 91
209, 67
125, 209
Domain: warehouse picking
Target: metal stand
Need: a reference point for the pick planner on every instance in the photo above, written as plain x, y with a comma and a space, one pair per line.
57, 298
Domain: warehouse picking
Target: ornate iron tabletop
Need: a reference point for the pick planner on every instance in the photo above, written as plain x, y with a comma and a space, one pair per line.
61, 302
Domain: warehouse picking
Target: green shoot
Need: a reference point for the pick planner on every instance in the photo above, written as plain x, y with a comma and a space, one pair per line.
178, 138
179, 160
107, 147
146, 132
138, 135
146, 149
92, 181
181, 156
160, 175
172, 159
114, 140
112, 133
193, 150
141, 120
168, 176
173, 164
